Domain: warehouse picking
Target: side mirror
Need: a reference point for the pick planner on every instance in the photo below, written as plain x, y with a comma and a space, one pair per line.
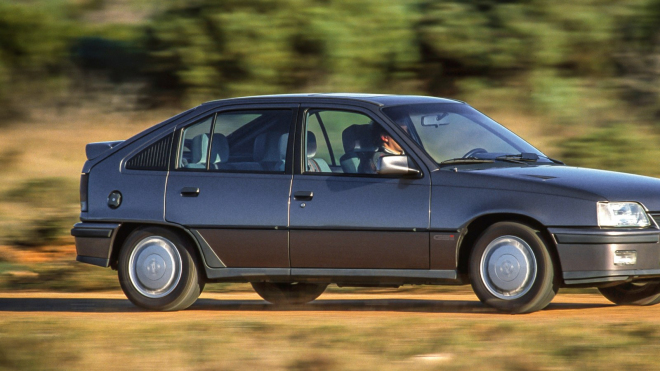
396, 165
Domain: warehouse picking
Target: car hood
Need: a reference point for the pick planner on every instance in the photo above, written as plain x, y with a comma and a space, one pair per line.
599, 185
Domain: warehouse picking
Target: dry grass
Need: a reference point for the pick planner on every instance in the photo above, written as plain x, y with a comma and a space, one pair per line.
52, 144
244, 342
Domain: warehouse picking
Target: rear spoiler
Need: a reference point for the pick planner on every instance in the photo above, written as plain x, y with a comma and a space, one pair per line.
94, 150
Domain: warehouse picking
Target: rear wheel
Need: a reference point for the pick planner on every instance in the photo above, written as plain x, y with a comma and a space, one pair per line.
512, 270
288, 293
158, 270
633, 293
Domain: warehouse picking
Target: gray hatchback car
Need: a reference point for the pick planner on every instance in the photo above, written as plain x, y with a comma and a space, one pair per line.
295, 192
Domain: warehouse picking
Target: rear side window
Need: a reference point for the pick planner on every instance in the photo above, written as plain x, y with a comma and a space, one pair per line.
238, 141
154, 157
195, 144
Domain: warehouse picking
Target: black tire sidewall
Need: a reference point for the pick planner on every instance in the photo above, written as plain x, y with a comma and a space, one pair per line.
288, 293
545, 284
189, 275
627, 294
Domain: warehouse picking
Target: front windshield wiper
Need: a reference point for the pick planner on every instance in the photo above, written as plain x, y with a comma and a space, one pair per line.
526, 157
519, 158
469, 160
555, 161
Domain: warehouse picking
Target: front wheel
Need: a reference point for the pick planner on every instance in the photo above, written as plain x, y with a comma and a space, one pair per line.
633, 293
280, 293
158, 270
512, 270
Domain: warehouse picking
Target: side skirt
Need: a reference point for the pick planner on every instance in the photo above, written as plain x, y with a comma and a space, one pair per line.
345, 276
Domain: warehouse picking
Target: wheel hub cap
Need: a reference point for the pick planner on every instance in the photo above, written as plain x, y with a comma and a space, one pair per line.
155, 267
508, 267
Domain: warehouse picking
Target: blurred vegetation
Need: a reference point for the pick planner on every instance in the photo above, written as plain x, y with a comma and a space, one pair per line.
47, 208
575, 63
63, 274
585, 72
562, 52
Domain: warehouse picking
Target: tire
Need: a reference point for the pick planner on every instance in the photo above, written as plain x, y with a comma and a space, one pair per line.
288, 293
158, 270
633, 294
511, 269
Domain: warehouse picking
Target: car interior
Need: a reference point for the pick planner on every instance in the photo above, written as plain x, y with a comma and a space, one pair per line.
262, 150
265, 149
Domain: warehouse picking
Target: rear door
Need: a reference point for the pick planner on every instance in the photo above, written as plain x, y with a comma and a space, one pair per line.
231, 183
342, 216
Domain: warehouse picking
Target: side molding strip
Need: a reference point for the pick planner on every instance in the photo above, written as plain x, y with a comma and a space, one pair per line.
286, 274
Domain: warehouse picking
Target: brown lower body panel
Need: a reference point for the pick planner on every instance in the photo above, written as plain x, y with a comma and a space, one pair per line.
444, 250
243, 248
359, 249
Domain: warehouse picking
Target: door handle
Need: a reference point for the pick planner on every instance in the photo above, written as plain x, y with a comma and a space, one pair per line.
303, 195
190, 192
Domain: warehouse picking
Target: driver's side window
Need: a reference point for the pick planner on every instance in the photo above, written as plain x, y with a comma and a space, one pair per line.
343, 142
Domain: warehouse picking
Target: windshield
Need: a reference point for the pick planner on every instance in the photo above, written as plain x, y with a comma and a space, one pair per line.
451, 131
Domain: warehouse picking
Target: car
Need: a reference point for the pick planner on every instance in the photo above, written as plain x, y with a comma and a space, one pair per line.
292, 193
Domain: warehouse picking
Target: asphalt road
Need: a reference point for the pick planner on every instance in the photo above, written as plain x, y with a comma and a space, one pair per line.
341, 305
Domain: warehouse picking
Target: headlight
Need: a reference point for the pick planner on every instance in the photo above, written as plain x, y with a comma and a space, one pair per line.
622, 214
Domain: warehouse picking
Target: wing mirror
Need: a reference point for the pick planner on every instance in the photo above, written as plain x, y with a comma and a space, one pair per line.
396, 165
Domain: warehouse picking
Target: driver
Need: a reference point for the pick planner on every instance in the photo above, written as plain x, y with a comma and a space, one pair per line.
386, 147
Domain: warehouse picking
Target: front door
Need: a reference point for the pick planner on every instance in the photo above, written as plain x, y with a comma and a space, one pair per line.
343, 214
231, 185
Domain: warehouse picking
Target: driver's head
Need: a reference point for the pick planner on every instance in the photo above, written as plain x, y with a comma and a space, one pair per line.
385, 141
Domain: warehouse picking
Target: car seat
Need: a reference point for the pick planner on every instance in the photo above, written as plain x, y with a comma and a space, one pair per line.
359, 148
270, 150
219, 151
200, 145
315, 165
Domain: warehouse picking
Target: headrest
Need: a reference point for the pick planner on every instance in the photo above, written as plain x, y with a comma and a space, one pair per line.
311, 144
200, 145
284, 142
260, 147
358, 138
268, 147
219, 149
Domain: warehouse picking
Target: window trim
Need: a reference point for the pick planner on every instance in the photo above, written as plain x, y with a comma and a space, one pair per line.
325, 136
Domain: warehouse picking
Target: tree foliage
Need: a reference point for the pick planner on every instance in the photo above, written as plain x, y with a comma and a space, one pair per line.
587, 63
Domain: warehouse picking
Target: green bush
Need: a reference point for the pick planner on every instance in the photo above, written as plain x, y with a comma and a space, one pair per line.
216, 49
618, 147
48, 208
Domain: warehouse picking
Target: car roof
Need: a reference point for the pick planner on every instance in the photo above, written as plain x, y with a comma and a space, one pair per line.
379, 100
382, 100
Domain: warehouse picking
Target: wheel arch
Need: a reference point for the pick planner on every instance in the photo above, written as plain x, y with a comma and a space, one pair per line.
125, 229
478, 225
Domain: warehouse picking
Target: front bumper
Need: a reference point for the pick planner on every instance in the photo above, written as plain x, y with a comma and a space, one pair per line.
94, 242
587, 255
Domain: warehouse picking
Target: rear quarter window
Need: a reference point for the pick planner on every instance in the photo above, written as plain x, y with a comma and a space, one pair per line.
154, 157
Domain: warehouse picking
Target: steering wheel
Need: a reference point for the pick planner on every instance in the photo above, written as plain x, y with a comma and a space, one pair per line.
473, 152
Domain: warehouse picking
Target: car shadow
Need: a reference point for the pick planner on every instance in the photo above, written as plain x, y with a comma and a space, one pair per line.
74, 305
97, 305
385, 305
